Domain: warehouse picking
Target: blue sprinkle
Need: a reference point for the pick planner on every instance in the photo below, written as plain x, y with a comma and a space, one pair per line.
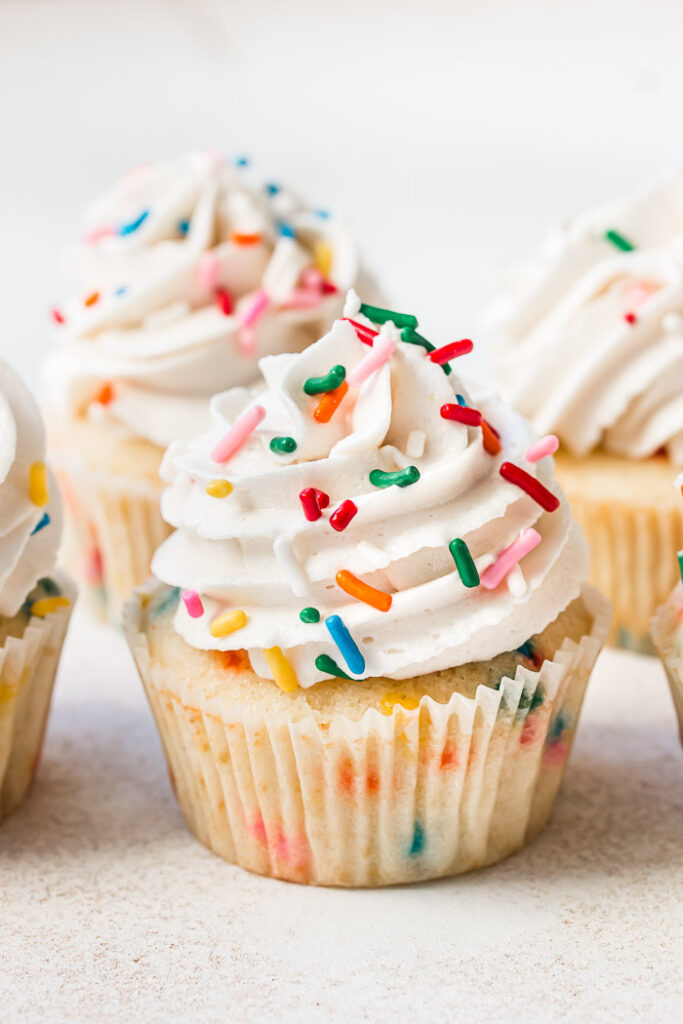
133, 225
242, 161
461, 400
286, 230
348, 647
271, 189
323, 214
41, 524
169, 601
418, 843
183, 226
557, 727
526, 650
121, 290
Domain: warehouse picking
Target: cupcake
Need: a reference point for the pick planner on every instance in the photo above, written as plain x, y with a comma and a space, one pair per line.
667, 634
35, 601
589, 346
187, 273
369, 636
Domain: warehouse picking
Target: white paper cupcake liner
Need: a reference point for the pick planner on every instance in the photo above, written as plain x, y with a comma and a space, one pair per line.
413, 795
28, 665
113, 527
666, 625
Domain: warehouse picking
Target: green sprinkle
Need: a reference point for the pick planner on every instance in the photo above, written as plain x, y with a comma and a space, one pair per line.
326, 664
619, 241
381, 316
330, 382
680, 563
49, 586
464, 563
309, 615
283, 445
410, 335
401, 477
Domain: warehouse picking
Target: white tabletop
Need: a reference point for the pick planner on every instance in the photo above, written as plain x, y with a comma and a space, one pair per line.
111, 911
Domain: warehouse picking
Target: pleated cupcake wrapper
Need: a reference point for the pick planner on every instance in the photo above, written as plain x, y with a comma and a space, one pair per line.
633, 562
113, 527
28, 665
414, 795
666, 625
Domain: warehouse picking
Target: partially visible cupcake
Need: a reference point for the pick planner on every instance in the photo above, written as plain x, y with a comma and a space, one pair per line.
188, 272
589, 346
35, 601
667, 633
370, 637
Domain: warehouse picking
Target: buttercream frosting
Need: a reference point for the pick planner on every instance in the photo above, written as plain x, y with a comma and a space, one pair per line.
588, 341
247, 546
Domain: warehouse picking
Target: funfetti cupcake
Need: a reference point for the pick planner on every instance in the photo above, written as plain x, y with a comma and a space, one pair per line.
590, 348
667, 633
189, 271
35, 600
369, 637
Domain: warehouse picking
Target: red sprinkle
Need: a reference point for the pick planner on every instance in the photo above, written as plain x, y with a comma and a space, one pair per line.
310, 504
447, 352
328, 288
342, 516
57, 316
490, 438
224, 301
630, 318
461, 414
365, 334
530, 485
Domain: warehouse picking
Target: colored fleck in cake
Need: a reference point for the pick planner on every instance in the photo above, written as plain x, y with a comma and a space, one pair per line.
34, 605
188, 272
589, 345
667, 634
369, 636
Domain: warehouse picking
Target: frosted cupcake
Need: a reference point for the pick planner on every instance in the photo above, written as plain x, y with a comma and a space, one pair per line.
188, 272
35, 601
667, 634
369, 638
590, 347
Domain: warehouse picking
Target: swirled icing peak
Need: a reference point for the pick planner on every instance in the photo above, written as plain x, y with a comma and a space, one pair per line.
30, 507
358, 515
188, 272
589, 340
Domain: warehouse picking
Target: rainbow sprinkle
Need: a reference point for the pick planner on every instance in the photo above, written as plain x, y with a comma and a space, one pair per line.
193, 603
342, 516
411, 337
229, 622
547, 445
239, 433
510, 557
382, 350
219, 488
398, 478
354, 587
283, 673
330, 381
41, 524
283, 445
378, 315
46, 605
329, 403
309, 614
461, 414
530, 485
348, 647
37, 484
618, 241
133, 225
329, 666
452, 351
464, 562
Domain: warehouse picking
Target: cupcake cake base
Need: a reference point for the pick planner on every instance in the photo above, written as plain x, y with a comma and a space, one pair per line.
632, 519
30, 646
374, 782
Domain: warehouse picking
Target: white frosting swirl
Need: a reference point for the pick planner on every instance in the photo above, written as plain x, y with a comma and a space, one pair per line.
589, 341
28, 540
161, 252
254, 550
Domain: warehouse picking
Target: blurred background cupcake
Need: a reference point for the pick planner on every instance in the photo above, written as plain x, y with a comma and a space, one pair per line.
667, 632
188, 271
371, 635
589, 345
35, 601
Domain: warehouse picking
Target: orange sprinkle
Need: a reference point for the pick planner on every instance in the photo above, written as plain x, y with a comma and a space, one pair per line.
240, 238
91, 299
491, 442
104, 394
363, 591
329, 403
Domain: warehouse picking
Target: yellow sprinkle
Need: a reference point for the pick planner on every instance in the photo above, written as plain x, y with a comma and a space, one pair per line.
283, 673
388, 703
219, 489
46, 605
228, 622
322, 258
37, 484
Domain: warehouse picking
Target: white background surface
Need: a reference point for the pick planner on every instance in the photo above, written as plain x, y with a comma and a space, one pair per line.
451, 133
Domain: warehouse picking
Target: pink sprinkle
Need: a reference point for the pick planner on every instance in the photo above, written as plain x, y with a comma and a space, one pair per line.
57, 316
312, 278
207, 271
510, 557
246, 340
303, 298
547, 445
91, 237
256, 309
193, 603
639, 292
241, 429
381, 351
